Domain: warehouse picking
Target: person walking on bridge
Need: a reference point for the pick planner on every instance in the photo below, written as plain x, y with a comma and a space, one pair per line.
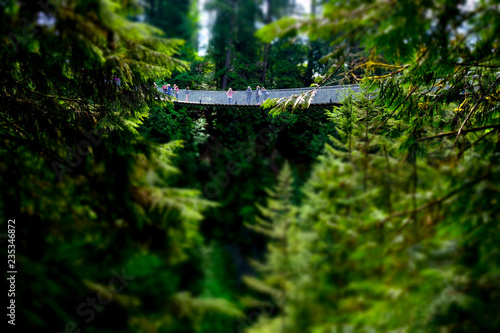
229, 94
169, 90
164, 88
265, 94
257, 95
187, 92
176, 92
248, 93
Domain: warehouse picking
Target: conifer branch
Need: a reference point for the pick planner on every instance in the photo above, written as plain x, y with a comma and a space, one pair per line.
474, 109
476, 129
437, 201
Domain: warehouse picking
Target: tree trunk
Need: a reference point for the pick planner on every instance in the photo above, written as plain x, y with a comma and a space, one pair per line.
267, 47
227, 63
265, 63
309, 70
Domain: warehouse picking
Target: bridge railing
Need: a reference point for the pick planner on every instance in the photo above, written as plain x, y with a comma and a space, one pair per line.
324, 95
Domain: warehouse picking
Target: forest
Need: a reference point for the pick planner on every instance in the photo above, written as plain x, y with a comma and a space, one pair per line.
123, 210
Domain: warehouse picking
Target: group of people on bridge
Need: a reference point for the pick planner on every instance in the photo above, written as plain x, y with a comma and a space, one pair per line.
174, 91
259, 92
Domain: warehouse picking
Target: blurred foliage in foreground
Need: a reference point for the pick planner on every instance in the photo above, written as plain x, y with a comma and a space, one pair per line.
395, 228
91, 206
407, 194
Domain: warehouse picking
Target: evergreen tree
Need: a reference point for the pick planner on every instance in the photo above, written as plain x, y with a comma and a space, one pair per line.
240, 59
399, 189
223, 36
91, 196
277, 222
177, 19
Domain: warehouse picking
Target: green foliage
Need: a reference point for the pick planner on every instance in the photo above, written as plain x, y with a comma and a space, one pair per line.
286, 69
277, 218
176, 19
200, 76
237, 54
394, 208
167, 124
383, 215
110, 204
401, 182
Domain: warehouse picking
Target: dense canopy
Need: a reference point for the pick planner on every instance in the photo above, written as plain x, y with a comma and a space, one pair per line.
121, 211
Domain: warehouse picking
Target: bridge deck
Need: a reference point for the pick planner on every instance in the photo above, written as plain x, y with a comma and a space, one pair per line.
323, 96
252, 106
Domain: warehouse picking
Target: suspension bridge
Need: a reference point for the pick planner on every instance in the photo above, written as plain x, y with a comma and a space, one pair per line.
329, 95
